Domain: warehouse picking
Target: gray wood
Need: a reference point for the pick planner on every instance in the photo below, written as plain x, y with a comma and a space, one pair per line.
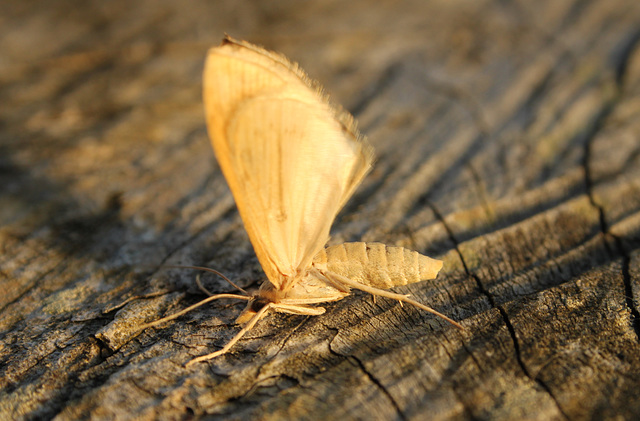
507, 143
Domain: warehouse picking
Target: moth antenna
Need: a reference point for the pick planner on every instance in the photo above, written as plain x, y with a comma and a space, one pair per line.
194, 306
136, 297
388, 294
252, 322
208, 270
202, 288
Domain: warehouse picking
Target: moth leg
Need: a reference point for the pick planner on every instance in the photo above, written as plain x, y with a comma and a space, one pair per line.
384, 293
259, 315
299, 309
207, 270
340, 286
188, 309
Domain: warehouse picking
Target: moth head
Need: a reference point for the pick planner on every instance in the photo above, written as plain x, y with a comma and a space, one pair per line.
253, 306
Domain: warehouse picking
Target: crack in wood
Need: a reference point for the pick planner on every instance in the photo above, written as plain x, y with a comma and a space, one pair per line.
467, 409
366, 372
628, 287
590, 135
259, 383
501, 310
380, 386
36, 282
284, 342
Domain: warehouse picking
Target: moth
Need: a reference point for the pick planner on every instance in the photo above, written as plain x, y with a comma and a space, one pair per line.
292, 160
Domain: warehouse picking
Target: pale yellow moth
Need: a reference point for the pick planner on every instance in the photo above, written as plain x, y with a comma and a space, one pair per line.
292, 161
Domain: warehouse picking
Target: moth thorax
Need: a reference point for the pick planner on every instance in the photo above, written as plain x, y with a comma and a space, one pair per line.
253, 306
258, 303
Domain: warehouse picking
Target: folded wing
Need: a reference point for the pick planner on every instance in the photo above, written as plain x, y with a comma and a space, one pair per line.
291, 161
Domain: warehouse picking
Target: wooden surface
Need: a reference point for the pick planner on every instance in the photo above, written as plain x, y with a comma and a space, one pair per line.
507, 137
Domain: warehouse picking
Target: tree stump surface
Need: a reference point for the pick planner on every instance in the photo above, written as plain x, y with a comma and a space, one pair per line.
507, 143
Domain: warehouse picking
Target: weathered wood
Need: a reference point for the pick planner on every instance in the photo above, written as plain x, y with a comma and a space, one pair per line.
507, 143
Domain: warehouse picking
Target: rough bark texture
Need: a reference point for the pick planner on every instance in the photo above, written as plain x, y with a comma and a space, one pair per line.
507, 136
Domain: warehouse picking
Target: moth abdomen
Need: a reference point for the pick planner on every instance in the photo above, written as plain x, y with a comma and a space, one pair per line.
377, 265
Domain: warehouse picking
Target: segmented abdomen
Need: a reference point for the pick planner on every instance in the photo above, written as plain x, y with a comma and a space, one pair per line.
378, 265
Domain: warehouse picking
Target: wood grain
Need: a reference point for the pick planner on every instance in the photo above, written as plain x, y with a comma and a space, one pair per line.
507, 137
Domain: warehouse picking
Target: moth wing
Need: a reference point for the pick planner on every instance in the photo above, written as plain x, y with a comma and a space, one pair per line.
291, 161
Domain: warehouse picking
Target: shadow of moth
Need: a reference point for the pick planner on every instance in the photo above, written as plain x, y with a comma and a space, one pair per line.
292, 161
